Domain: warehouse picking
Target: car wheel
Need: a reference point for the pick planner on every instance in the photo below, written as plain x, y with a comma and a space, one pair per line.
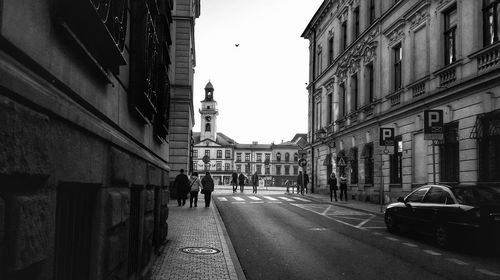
441, 236
390, 223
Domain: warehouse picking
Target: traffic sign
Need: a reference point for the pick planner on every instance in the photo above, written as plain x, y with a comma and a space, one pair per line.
386, 136
206, 159
302, 162
433, 125
341, 162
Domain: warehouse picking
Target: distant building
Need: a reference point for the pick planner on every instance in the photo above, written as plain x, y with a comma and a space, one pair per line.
381, 64
221, 155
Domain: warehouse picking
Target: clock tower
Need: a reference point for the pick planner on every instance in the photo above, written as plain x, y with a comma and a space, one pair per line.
209, 115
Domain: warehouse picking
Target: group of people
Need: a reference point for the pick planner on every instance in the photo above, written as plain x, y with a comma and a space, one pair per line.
193, 186
242, 179
342, 182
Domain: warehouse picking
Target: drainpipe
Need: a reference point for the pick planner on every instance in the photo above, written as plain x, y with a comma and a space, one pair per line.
313, 88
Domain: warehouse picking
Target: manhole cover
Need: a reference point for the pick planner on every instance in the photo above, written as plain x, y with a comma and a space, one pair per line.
200, 250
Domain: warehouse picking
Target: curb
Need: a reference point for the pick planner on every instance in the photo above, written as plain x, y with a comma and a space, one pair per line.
233, 263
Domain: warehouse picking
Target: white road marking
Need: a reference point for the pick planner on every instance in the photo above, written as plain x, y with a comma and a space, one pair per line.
318, 228
456, 261
285, 198
238, 198
302, 199
392, 238
222, 198
430, 252
377, 233
253, 198
365, 221
256, 201
270, 198
410, 245
487, 272
373, 227
326, 210
239, 202
275, 202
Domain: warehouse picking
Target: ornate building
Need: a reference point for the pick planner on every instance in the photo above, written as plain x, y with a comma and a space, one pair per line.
215, 152
86, 97
381, 64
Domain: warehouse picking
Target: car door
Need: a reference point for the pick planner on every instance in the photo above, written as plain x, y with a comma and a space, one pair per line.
432, 210
412, 203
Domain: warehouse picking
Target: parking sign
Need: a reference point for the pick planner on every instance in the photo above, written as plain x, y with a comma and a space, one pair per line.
433, 125
386, 136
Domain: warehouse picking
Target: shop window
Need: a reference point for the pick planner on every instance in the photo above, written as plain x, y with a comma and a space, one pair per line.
449, 157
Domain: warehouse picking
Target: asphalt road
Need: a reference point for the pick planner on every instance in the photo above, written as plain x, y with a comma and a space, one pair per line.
276, 238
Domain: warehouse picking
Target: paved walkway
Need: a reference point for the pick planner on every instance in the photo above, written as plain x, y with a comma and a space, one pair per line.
198, 230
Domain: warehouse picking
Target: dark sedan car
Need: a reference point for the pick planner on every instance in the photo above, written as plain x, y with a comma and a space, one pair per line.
448, 212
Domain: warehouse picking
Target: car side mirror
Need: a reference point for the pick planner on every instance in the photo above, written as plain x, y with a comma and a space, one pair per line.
401, 199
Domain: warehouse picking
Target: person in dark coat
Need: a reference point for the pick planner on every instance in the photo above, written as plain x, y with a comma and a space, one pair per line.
255, 182
332, 182
208, 188
306, 182
343, 186
181, 185
242, 179
234, 181
300, 181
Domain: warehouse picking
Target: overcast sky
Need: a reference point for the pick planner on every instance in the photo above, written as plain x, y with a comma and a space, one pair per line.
259, 86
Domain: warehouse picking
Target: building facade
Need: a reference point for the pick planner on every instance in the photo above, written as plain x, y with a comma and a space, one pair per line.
221, 155
85, 103
382, 64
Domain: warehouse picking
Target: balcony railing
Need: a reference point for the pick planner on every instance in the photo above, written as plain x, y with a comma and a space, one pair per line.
448, 74
418, 89
487, 57
395, 98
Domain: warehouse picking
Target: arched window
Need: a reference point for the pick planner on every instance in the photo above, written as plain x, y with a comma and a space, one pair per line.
207, 127
296, 157
287, 157
278, 156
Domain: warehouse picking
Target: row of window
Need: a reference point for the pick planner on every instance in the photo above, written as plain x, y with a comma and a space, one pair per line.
247, 156
491, 14
267, 168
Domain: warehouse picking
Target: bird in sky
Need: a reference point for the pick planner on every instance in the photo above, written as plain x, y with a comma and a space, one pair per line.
237, 45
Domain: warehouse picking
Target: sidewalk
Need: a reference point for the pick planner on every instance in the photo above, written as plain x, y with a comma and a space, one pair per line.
352, 204
198, 246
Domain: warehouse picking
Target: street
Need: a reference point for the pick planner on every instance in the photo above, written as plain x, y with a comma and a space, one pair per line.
278, 236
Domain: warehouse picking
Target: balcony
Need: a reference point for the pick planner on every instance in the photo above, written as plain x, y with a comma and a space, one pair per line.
448, 74
418, 88
488, 57
395, 97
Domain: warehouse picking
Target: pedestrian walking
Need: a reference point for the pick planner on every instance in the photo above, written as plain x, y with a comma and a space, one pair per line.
300, 181
306, 182
208, 187
255, 182
234, 181
287, 185
242, 179
332, 182
194, 189
343, 186
181, 185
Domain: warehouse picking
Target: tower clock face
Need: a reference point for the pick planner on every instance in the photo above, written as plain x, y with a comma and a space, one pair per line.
209, 94
208, 118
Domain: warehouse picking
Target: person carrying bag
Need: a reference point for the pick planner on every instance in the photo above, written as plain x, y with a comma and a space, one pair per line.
195, 188
208, 187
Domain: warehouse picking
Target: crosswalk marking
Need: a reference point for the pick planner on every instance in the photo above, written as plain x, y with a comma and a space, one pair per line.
302, 199
254, 198
270, 198
238, 198
222, 198
285, 198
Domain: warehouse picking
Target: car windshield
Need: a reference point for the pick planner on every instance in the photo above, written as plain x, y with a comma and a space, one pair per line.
473, 196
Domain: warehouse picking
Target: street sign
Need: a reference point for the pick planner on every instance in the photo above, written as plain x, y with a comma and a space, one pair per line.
302, 162
433, 125
341, 162
206, 159
386, 136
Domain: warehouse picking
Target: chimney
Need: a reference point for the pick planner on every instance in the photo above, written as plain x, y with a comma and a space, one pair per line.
255, 143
